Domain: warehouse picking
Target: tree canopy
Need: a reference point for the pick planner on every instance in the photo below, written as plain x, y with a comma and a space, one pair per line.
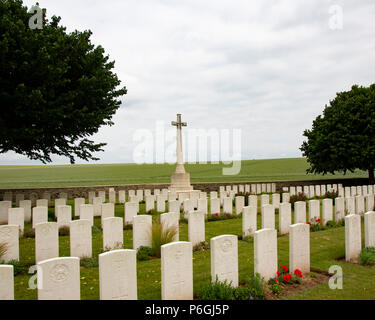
343, 138
56, 88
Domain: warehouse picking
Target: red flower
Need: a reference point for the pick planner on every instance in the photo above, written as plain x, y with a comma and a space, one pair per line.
268, 294
278, 273
217, 214
284, 268
287, 277
318, 220
298, 273
309, 223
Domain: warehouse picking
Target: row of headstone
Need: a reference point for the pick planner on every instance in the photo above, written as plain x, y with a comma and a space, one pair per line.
248, 188
353, 234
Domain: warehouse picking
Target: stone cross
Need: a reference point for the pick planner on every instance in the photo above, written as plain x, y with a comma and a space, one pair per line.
180, 161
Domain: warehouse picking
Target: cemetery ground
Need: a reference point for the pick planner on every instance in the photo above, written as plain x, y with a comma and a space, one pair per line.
327, 249
117, 174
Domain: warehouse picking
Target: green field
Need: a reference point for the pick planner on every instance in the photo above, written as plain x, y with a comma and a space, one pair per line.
327, 249
119, 174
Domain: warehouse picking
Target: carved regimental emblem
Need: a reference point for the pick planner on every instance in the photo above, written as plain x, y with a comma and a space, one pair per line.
45, 230
59, 273
226, 245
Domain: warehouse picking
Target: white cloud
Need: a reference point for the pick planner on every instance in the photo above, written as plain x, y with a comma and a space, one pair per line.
267, 68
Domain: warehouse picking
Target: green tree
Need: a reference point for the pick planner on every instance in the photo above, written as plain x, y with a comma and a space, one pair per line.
56, 88
343, 138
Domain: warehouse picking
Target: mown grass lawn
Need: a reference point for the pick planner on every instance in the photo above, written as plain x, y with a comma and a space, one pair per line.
326, 247
118, 174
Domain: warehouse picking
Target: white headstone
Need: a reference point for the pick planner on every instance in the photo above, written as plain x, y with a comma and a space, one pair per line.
268, 216
299, 248
46, 241
265, 253
196, 227
130, 212
292, 191
6, 282
353, 239
112, 196
370, 229
91, 196
240, 203
253, 201
249, 221
102, 194
264, 200
359, 205
273, 187
228, 205
149, 203
113, 235
276, 200
369, 202
202, 206
253, 189
60, 278
327, 214
9, 235
317, 191
160, 203
177, 271
86, 212
171, 220
258, 188
359, 191
299, 212
339, 209
314, 210
285, 197
40, 215
224, 259
247, 188
215, 206
59, 202
213, 195
285, 217
350, 205
64, 216
16, 216
80, 239
108, 210
118, 275
121, 196
26, 205
77, 205
174, 206
42, 203
4, 206
97, 203
188, 206
142, 235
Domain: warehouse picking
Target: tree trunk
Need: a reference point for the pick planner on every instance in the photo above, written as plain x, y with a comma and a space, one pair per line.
371, 177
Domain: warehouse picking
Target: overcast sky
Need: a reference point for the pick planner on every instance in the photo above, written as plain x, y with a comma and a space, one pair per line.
267, 67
